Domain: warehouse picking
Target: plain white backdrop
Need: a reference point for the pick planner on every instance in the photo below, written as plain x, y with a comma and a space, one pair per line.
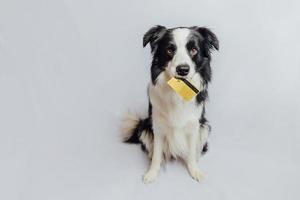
69, 68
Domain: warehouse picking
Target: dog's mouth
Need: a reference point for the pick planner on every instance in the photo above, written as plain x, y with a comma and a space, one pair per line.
189, 84
180, 77
187, 77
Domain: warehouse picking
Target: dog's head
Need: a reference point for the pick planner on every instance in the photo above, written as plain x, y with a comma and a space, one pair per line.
181, 52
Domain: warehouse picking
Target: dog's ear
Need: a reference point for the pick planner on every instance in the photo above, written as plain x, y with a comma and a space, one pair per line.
153, 35
209, 37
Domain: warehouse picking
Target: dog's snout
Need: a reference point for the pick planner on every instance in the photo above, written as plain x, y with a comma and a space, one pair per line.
182, 70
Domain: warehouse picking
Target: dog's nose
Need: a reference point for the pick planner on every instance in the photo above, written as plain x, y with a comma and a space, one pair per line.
182, 70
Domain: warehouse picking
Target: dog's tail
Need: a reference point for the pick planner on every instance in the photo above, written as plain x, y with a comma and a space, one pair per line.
137, 130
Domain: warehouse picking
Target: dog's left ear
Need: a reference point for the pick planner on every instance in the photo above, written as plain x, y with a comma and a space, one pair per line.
153, 35
209, 37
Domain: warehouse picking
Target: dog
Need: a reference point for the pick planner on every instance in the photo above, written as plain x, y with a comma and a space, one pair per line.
174, 128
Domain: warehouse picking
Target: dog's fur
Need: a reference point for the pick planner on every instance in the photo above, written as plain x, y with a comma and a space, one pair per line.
174, 128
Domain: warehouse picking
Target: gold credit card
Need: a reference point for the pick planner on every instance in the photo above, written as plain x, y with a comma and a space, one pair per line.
183, 87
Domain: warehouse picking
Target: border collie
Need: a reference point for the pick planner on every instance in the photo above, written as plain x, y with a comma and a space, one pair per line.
174, 128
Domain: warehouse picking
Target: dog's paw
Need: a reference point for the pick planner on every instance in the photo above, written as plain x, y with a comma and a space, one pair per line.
149, 177
196, 174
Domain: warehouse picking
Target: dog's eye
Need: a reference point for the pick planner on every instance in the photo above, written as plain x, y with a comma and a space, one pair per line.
193, 51
170, 51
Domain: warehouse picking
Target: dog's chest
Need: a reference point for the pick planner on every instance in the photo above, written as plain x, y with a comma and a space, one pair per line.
175, 118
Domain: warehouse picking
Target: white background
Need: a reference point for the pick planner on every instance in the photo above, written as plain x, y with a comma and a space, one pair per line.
69, 68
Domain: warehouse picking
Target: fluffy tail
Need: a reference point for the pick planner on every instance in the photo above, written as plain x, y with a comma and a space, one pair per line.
136, 130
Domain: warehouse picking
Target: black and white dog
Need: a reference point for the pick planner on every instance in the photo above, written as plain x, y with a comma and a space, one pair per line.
173, 127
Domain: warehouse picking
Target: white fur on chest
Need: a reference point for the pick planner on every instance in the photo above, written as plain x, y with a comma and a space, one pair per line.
173, 118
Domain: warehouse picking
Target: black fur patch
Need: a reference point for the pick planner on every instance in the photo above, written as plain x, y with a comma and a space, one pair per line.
205, 148
143, 125
202, 96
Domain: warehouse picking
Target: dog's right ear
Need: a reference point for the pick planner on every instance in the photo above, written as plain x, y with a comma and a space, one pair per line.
153, 35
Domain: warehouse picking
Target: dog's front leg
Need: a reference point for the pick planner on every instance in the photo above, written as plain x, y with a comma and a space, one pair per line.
151, 175
191, 160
